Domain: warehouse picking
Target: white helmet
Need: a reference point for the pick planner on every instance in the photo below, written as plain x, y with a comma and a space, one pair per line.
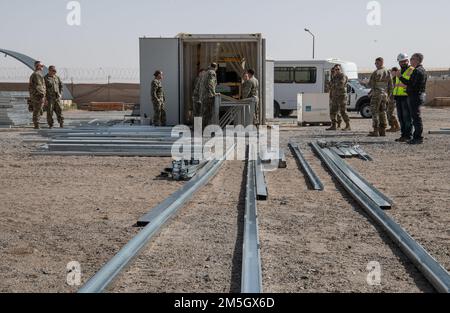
402, 57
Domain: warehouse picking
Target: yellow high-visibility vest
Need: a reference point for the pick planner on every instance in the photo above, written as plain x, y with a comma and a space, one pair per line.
399, 87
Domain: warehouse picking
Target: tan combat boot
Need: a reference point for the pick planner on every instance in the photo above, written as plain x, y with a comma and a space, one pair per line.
382, 131
394, 127
333, 127
374, 133
347, 126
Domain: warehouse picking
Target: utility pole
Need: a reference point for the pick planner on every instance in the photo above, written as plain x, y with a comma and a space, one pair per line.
314, 41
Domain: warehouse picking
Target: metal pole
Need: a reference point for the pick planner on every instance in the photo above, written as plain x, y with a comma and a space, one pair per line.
314, 41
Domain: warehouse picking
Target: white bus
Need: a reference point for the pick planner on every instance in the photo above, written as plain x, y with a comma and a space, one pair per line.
294, 77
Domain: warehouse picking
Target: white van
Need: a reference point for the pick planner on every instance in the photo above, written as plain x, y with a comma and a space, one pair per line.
294, 77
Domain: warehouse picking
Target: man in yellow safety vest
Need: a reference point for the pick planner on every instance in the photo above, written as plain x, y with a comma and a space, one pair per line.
401, 98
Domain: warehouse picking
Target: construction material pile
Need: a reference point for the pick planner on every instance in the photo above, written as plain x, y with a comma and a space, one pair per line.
14, 109
117, 140
346, 150
183, 169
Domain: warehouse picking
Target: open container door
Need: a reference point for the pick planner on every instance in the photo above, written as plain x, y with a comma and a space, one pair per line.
233, 53
160, 54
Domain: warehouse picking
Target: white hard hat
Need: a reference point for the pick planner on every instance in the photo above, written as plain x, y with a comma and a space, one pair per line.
402, 57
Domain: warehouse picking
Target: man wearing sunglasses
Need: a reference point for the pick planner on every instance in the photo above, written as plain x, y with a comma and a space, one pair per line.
54, 89
37, 91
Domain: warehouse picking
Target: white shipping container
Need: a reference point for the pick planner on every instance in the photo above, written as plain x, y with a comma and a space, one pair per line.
181, 57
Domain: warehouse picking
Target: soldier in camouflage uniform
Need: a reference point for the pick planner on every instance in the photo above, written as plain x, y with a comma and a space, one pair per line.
380, 84
339, 91
159, 100
207, 93
197, 104
328, 89
36, 87
251, 90
392, 120
54, 89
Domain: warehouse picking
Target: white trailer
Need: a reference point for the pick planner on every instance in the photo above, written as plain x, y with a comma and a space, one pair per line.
181, 57
311, 76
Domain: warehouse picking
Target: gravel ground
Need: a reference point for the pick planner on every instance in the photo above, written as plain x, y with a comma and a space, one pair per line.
200, 250
54, 210
323, 241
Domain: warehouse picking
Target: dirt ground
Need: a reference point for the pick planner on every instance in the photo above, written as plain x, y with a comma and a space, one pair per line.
201, 249
323, 241
54, 210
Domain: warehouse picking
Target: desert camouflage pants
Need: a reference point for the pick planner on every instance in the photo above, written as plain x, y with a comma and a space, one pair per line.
207, 109
159, 114
256, 112
378, 104
54, 106
197, 108
37, 110
338, 114
339, 106
390, 112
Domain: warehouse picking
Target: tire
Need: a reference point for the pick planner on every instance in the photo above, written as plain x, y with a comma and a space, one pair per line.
365, 110
276, 109
286, 113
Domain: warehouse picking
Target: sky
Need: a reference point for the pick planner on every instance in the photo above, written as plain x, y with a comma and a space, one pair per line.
109, 30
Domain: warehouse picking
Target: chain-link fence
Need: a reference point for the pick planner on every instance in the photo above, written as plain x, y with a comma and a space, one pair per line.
76, 75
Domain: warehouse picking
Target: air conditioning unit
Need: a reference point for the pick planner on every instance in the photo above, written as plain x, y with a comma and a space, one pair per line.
313, 109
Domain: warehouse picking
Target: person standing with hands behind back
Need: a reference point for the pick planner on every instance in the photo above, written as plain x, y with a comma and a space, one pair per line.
158, 99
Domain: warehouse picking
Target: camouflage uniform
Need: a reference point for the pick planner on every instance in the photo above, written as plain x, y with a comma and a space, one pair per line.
36, 87
159, 102
339, 98
199, 81
392, 120
54, 89
250, 89
332, 108
381, 84
207, 95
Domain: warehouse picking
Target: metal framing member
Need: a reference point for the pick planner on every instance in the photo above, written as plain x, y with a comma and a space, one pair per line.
251, 280
373, 193
338, 152
184, 193
353, 152
346, 152
314, 180
261, 187
155, 153
282, 159
363, 154
439, 132
114, 266
430, 268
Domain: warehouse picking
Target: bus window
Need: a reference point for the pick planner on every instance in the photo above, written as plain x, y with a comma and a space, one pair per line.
284, 75
305, 75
